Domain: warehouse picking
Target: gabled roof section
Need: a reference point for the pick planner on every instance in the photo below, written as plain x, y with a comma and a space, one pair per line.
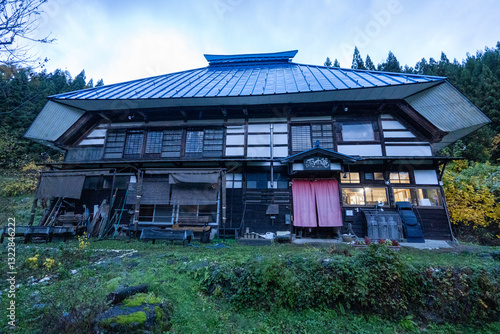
317, 150
450, 111
252, 79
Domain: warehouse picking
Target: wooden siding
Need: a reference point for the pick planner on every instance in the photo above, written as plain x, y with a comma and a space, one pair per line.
88, 153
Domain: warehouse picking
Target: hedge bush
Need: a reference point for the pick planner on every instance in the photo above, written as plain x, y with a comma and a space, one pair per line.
375, 281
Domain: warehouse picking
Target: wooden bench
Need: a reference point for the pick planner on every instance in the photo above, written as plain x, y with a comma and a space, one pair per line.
37, 232
159, 234
17, 231
195, 224
64, 232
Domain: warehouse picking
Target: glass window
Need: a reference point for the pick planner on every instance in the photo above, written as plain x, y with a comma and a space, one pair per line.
153, 143
353, 196
234, 180
263, 181
301, 138
403, 195
212, 145
322, 133
194, 142
376, 196
162, 214
400, 177
374, 176
428, 197
358, 131
352, 177
304, 137
257, 180
172, 140
133, 144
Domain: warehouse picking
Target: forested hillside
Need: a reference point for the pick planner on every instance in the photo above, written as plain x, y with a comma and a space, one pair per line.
474, 207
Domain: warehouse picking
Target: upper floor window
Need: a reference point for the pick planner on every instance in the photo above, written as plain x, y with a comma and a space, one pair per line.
358, 131
206, 143
133, 144
304, 137
153, 143
140, 143
194, 142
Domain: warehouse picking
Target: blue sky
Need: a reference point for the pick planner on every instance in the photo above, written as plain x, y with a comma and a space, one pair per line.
126, 40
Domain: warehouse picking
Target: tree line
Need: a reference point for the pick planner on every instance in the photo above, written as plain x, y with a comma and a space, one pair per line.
477, 77
23, 93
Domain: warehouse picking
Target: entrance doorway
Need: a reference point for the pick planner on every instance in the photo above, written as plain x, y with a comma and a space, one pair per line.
316, 203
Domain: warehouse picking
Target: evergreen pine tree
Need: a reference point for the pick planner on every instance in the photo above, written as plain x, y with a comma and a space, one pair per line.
369, 64
328, 62
391, 64
336, 63
357, 61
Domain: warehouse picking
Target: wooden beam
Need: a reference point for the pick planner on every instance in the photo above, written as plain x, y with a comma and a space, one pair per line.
105, 117
420, 123
138, 195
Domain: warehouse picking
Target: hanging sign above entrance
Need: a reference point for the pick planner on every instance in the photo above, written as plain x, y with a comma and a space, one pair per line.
317, 163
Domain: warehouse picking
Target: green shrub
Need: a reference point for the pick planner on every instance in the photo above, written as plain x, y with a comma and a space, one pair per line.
376, 281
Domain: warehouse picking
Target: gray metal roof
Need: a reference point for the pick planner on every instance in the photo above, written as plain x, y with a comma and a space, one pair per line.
52, 122
246, 76
450, 111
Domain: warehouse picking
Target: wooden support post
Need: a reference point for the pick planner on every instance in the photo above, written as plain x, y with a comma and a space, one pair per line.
33, 210
35, 202
138, 195
223, 202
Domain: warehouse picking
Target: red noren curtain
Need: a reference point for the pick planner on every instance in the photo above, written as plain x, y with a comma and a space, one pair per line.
328, 203
304, 204
316, 203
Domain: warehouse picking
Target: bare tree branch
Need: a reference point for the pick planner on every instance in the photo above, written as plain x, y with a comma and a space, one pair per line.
19, 20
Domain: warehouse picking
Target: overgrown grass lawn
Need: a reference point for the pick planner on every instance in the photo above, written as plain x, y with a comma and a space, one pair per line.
63, 286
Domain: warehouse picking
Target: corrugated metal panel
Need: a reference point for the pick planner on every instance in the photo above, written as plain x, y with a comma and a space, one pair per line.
247, 75
447, 108
53, 121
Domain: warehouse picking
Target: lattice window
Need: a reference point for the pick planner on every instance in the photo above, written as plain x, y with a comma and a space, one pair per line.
194, 142
213, 143
133, 144
153, 143
322, 133
172, 140
301, 138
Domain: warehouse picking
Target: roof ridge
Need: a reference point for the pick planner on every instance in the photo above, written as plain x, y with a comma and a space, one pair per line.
283, 56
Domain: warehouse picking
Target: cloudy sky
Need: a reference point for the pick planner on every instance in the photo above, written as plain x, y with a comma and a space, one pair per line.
127, 39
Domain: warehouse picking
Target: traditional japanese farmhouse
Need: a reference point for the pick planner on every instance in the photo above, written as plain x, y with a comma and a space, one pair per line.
256, 142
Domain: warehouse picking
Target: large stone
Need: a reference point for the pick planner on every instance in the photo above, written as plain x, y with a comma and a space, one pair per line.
140, 314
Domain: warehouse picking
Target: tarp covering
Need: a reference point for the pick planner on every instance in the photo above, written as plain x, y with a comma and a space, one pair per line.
69, 186
316, 203
194, 193
154, 191
194, 177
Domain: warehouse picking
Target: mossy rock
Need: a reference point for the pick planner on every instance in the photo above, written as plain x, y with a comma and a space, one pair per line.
136, 318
